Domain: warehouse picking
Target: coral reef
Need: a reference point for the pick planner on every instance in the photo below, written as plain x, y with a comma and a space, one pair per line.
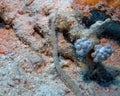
37, 25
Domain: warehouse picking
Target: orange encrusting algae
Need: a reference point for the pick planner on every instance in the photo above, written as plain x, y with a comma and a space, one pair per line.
3, 52
113, 3
86, 2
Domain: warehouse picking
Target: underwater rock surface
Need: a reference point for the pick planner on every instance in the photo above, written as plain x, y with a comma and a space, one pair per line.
28, 68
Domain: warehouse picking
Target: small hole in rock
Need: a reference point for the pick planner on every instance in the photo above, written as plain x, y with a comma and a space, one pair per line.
2, 23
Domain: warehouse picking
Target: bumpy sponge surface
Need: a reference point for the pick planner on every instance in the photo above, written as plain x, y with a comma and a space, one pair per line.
83, 46
102, 52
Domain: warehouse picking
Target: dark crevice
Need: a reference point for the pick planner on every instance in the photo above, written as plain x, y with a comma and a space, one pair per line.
100, 74
97, 72
95, 16
67, 37
37, 30
2, 23
112, 32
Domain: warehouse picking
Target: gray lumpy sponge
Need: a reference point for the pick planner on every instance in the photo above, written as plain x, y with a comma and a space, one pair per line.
83, 46
102, 52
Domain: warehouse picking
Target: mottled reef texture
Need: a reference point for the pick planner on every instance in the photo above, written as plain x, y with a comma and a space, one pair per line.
27, 67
